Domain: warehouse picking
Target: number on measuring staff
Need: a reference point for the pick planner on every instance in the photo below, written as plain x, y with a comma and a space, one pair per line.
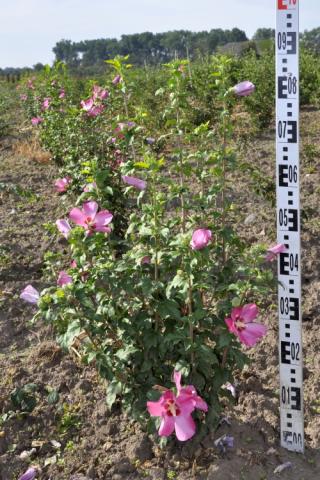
287, 86
289, 263
287, 174
291, 397
288, 217
289, 307
288, 131
290, 352
292, 438
287, 42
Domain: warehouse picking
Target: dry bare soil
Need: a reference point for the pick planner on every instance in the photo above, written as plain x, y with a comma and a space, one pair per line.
77, 438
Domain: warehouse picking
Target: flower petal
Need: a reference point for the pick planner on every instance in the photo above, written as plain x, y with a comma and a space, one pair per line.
177, 379
249, 312
236, 312
189, 392
63, 227
230, 324
90, 209
102, 228
185, 427
78, 217
155, 408
103, 218
167, 426
252, 334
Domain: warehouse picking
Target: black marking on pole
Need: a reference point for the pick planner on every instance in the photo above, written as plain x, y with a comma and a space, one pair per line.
292, 380
286, 237
287, 334
289, 425
285, 149
292, 371
290, 194
289, 25
287, 325
291, 290
291, 282
285, 352
289, 415
296, 398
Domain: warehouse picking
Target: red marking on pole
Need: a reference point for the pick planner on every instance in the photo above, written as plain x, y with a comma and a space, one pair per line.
282, 5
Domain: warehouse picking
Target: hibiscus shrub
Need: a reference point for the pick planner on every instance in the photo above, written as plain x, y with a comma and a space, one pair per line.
158, 280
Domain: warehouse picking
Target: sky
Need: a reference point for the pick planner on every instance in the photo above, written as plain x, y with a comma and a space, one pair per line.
30, 28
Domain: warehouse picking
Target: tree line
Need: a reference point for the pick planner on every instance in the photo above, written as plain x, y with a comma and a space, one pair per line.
146, 48
155, 48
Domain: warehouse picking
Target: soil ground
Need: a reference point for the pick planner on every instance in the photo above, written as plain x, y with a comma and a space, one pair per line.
77, 438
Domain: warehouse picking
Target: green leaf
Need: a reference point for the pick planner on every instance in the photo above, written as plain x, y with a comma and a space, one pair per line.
53, 397
125, 353
113, 389
169, 308
224, 340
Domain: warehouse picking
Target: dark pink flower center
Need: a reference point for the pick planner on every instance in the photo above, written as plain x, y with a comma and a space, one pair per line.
171, 408
239, 323
90, 224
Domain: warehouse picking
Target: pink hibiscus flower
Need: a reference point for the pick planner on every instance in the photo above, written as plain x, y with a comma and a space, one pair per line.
99, 92
134, 182
90, 219
46, 103
175, 410
272, 252
243, 89
63, 278
117, 79
87, 104
200, 238
30, 294
36, 120
241, 323
90, 187
145, 260
95, 110
29, 474
30, 85
61, 185
63, 227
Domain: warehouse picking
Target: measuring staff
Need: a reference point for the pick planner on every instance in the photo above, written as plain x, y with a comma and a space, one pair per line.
288, 224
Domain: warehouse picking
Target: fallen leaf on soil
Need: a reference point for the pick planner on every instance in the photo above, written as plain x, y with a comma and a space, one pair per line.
282, 467
271, 451
27, 453
37, 443
51, 460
